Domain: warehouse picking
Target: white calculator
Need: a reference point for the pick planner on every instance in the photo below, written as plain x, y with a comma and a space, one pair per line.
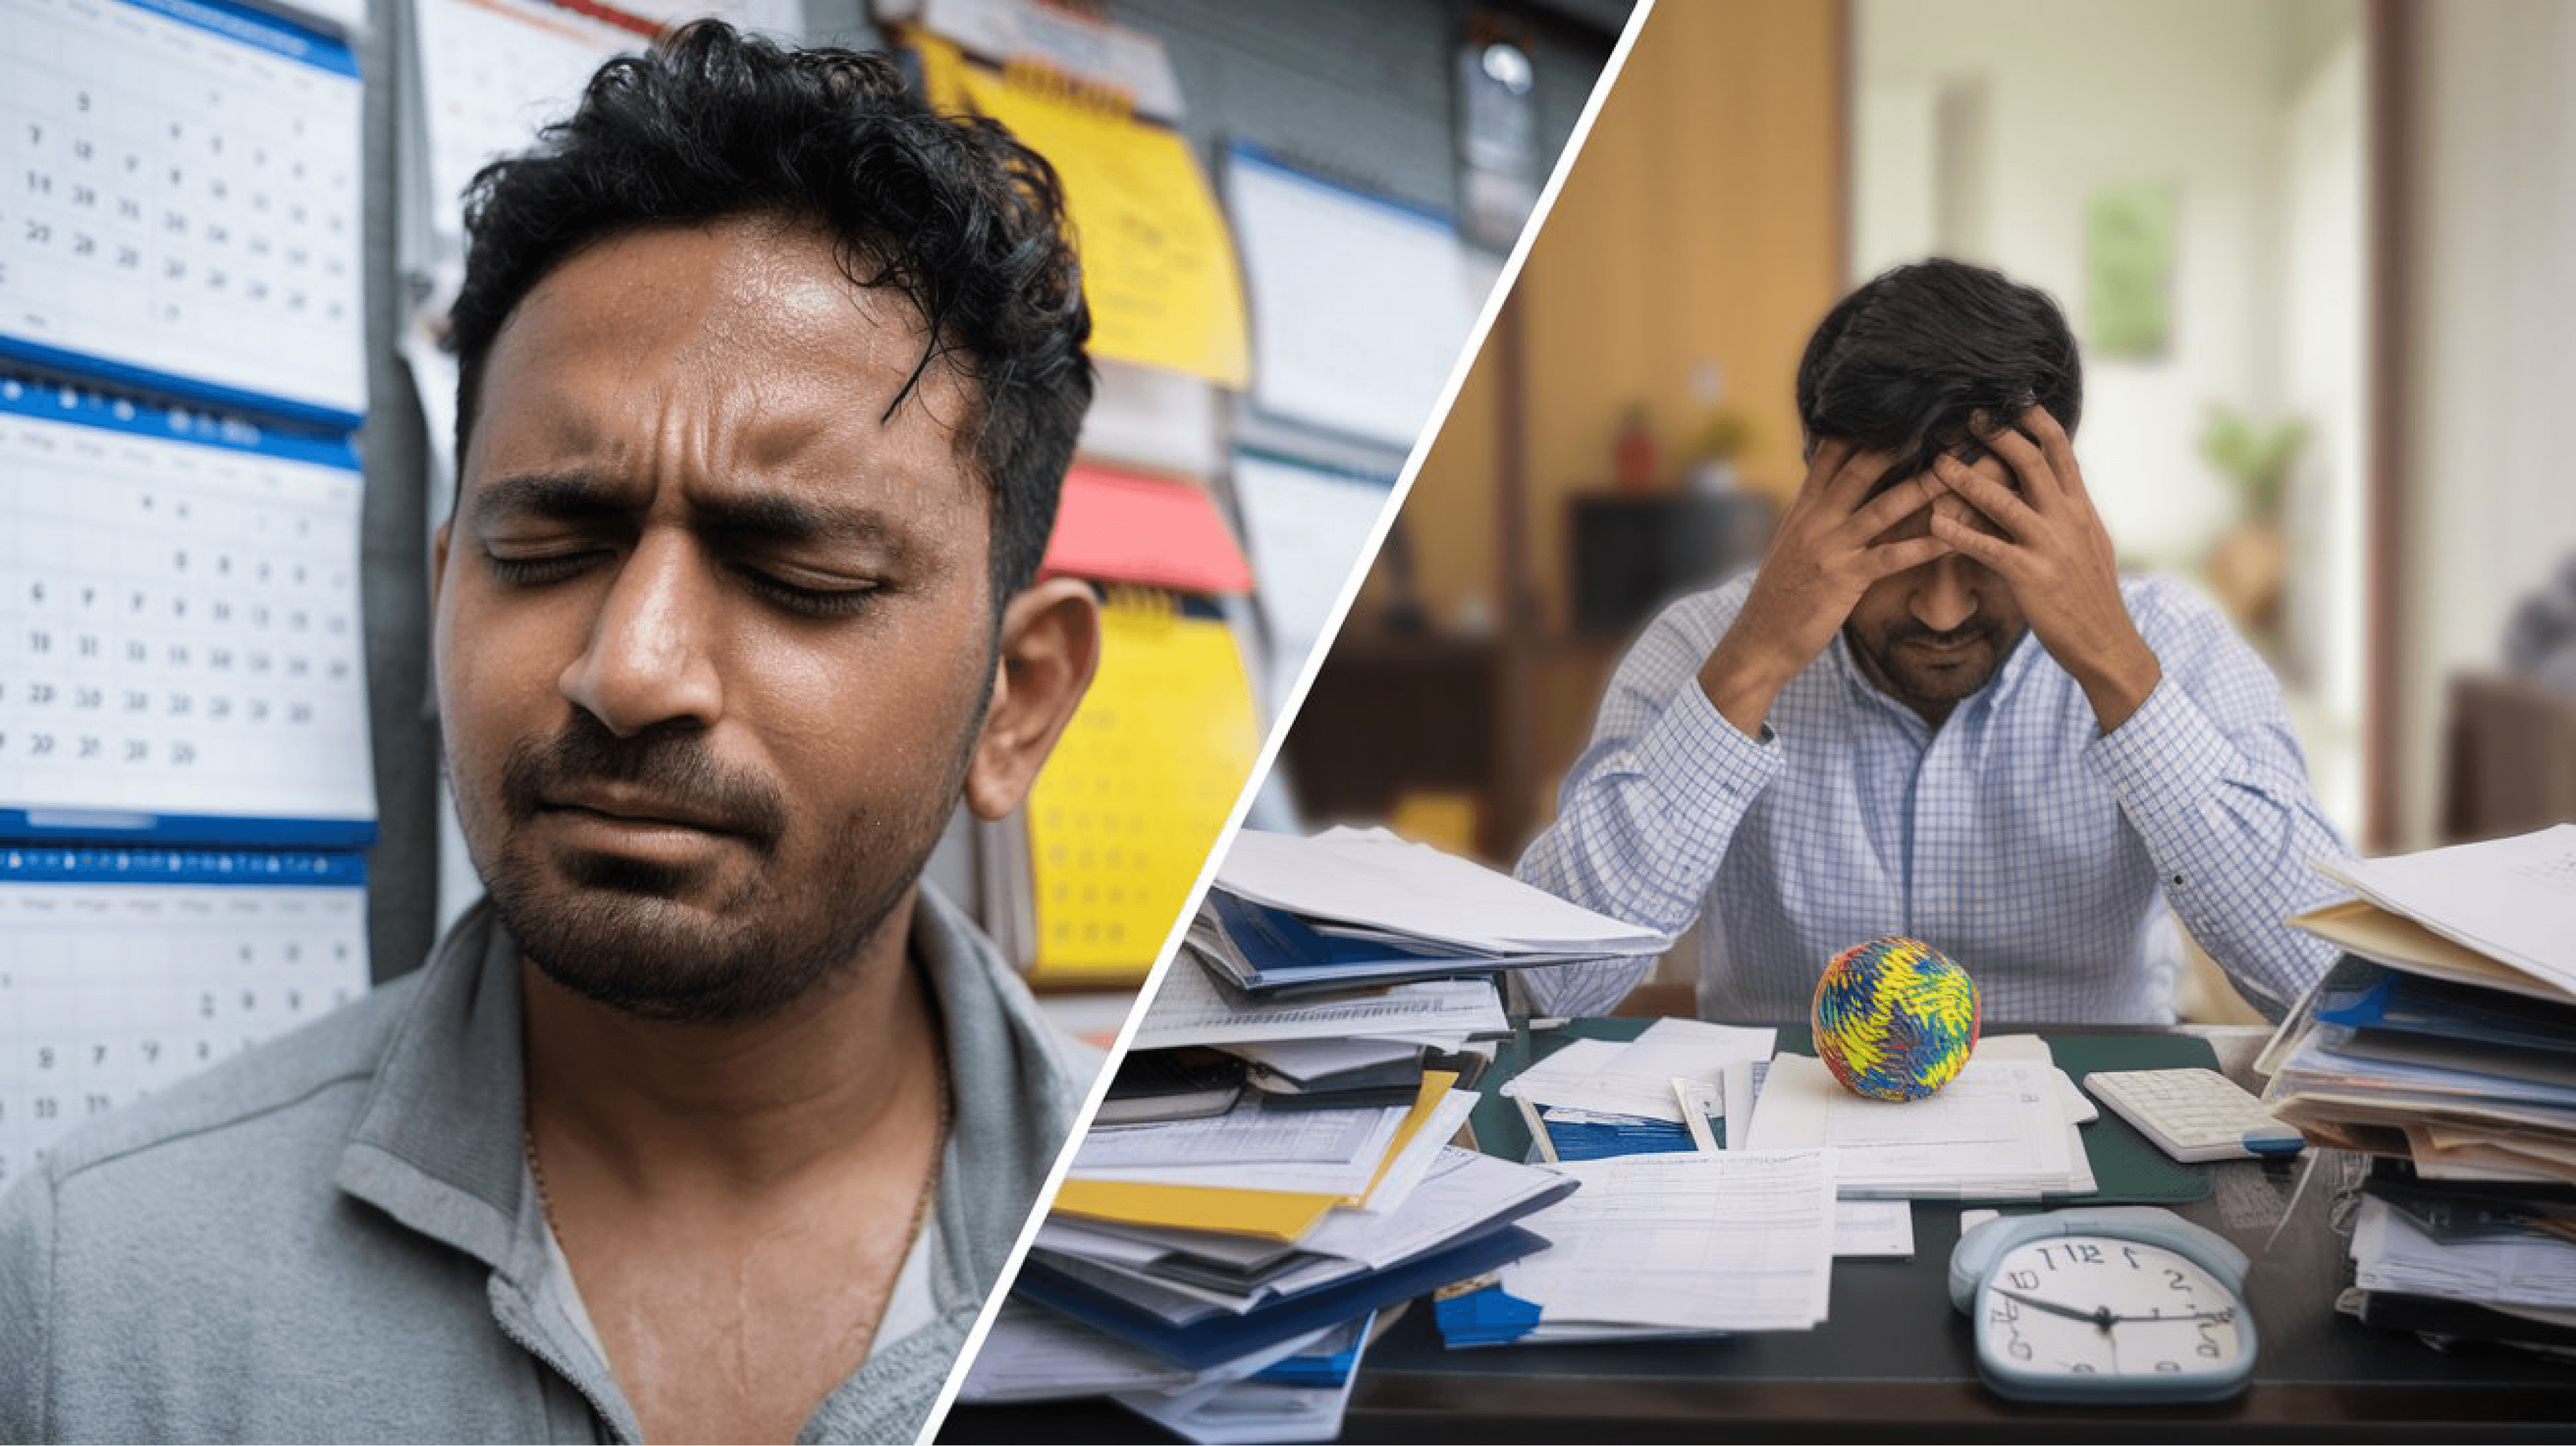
2194, 1114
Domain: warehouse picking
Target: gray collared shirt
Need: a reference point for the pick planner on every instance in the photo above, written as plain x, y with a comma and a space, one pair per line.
333, 1238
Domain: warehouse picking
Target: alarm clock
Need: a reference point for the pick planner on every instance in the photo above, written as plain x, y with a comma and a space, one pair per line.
2116, 1304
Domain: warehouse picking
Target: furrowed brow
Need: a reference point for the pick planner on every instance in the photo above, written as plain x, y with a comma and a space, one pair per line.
771, 519
555, 496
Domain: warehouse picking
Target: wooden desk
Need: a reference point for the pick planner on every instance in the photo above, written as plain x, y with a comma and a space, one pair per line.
1894, 1360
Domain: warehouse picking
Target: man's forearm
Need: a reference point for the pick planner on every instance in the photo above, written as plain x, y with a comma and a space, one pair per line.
2233, 832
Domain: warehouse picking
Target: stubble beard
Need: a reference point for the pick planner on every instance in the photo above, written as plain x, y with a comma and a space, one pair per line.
619, 931
1907, 681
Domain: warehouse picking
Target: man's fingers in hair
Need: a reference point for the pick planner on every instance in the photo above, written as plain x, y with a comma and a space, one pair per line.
1896, 504
1994, 499
1890, 558
2039, 486
2055, 447
1826, 463
1958, 535
1851, 483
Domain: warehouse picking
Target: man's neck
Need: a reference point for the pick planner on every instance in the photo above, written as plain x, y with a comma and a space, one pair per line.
739, 1106
736, 1201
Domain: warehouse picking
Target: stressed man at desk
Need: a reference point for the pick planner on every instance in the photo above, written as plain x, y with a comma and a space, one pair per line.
712, 1123
1936, 709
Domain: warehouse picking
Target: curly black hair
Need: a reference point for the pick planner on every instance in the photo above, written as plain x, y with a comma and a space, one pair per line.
1903, 362
963, 220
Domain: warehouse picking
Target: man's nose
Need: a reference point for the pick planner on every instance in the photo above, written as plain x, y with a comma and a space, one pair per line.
646, 661
1945, 595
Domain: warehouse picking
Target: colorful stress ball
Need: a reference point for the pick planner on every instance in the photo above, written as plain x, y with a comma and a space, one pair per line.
1895, 1019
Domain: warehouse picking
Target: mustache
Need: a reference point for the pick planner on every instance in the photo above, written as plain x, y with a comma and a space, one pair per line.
671, 762
1910, 631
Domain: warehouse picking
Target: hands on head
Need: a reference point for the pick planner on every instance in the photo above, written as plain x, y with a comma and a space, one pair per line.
1937, 573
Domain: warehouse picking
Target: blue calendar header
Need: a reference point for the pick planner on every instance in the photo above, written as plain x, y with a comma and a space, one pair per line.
39, 865
145, 379
251, 27
69, 826
229, 431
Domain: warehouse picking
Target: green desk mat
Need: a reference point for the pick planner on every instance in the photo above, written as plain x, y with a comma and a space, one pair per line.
2126, 1164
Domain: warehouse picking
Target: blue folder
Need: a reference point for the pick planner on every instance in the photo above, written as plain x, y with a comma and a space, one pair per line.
1209, 1342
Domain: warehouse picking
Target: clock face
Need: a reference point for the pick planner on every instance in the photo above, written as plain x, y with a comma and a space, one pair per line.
2086, 1306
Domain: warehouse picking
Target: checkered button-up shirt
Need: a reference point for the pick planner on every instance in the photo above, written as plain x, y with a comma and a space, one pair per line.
2017, 838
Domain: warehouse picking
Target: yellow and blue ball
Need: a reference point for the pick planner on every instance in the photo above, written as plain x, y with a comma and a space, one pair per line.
1895, 1018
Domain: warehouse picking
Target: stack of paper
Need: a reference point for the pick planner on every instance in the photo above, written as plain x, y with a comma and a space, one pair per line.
1664, 1245
1292, 1392
2454, 1261
2444, 1037
1350, 907
1200, 1268
2001, 1130
1597, 1098
2444, 1041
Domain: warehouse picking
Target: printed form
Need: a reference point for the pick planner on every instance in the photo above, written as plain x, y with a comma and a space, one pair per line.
1741, 1241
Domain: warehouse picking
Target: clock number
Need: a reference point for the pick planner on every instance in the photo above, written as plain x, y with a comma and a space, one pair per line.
2175, 1280
2024, 1279
2169, 1368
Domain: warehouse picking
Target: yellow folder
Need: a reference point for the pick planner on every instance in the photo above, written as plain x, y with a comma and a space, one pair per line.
1271, 1214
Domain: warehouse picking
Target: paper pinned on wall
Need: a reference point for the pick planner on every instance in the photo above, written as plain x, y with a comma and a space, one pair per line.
1157, 264
123, 971
1116, 526
185, 206
1138, 786
492, 72
1308, 528
1358, 309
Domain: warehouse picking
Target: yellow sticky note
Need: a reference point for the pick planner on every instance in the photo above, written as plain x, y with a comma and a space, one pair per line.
1158, 265
1121, 820
943, 71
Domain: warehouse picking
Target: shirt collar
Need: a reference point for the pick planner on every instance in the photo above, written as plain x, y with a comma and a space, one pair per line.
438, 1144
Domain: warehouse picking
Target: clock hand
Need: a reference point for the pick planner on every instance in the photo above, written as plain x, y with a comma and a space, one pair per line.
2101, 1317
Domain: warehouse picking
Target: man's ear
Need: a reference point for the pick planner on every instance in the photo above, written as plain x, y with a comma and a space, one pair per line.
438, 563
1050, 648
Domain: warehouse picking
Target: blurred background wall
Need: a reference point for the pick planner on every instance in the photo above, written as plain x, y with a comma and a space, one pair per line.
2316, 252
